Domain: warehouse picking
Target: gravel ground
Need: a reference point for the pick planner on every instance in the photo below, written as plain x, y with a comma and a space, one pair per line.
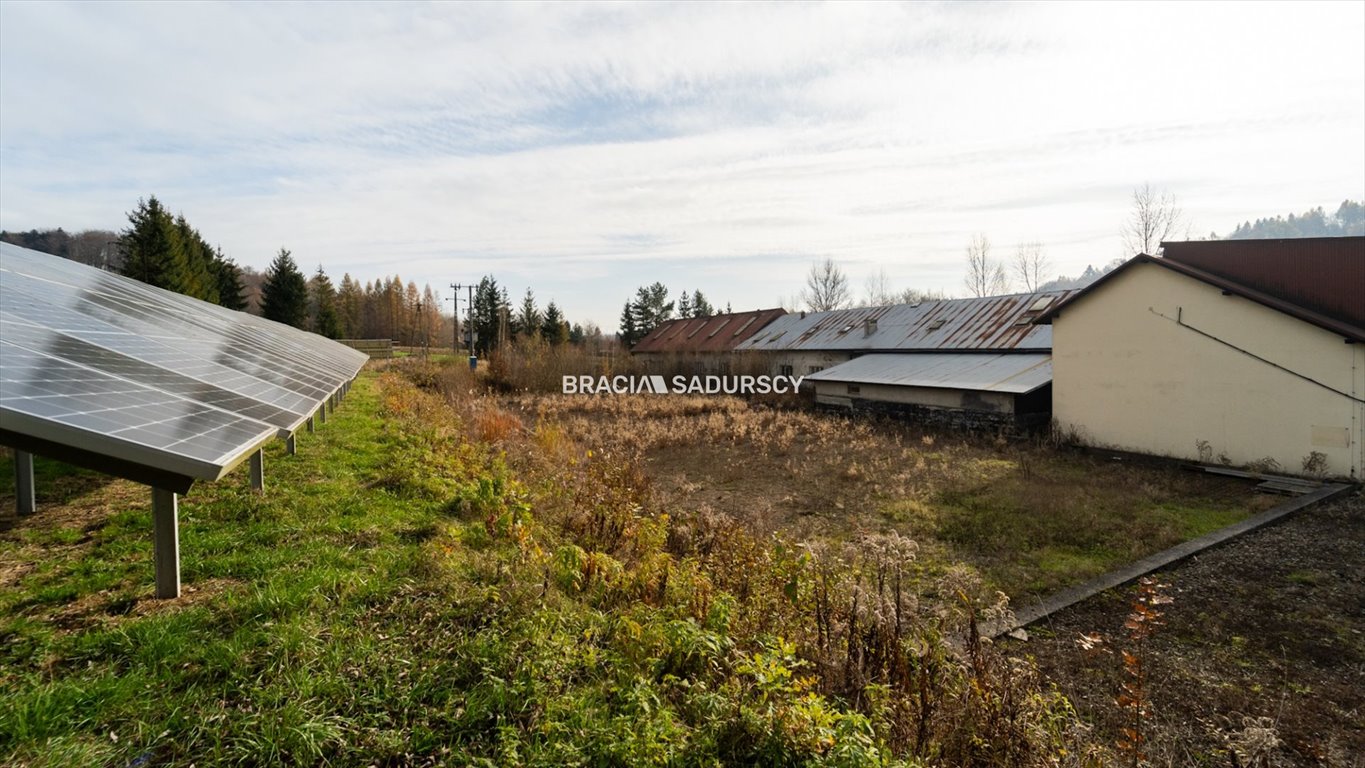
1261, 661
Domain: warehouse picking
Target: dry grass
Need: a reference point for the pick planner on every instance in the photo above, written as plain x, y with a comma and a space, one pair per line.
1030, 517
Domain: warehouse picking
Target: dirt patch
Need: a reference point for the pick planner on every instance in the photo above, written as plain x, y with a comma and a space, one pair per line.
1262, 653
109, 607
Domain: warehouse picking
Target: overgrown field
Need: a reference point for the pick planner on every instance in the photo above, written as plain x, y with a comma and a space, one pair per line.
1029, 517
443, 576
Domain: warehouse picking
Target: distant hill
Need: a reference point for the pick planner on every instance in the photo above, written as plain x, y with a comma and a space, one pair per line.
1087, 277
1348, 220
93, 246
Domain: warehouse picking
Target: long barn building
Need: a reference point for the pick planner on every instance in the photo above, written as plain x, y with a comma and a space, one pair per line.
971, 362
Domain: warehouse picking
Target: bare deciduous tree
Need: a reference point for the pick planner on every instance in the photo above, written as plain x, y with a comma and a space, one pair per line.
985, 277
877, 290
916, 296
826, 287
1154, 218
1031, 265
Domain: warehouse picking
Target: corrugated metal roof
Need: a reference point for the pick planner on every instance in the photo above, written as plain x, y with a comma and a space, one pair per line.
1012, 373
718, 333
1324, 274
991, 323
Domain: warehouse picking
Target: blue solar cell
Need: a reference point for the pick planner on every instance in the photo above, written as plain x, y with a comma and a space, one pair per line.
110, 365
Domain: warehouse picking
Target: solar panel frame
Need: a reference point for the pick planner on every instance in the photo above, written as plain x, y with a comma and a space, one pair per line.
147, 381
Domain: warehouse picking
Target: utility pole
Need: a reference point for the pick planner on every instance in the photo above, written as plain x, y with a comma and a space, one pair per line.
455, 337
471, 319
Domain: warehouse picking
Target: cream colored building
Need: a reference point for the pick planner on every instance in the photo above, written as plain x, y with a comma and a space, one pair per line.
1162, 358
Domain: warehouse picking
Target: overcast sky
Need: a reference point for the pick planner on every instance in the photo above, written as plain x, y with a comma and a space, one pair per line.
585, 150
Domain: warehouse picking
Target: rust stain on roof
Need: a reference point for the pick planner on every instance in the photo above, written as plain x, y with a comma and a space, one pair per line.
991, 323
718, 333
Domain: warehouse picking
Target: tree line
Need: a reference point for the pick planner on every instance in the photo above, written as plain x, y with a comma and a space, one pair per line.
650, 308
493, 321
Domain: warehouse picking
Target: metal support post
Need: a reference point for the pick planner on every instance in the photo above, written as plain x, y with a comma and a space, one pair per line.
258, 471
24, 497
322, 413
289, 446
166, 533
312, 423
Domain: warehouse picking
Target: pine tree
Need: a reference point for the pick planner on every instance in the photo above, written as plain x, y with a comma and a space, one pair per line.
685, 305
284, 295
322, 299
553, 328
629, 333
228, 277
528, 317
199, 280
152, 247
700, 306
490, 303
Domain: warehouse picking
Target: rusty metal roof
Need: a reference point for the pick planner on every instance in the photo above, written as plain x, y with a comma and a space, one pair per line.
1346, 328
981, 372
994, 323
1323, 274
718, 333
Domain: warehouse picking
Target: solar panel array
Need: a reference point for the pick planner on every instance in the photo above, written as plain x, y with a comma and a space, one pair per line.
108, 365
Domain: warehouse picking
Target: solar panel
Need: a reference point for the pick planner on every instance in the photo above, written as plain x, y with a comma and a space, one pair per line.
110, 367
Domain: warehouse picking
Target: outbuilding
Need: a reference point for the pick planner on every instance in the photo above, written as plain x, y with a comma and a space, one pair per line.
1244, 352
979, 362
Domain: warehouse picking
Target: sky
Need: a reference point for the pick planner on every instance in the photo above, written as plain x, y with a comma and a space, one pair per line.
584, 150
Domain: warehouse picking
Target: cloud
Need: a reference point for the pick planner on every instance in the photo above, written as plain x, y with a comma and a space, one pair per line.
585, 149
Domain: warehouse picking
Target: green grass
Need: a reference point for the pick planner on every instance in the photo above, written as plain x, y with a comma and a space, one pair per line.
403, 594
284, 658
361, 612
1063, 525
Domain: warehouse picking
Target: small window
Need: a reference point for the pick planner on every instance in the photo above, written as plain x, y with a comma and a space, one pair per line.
785, 370
815, 369
937, 324
853, 389
1040, 304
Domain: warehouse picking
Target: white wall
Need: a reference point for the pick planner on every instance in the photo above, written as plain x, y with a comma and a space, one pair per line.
1126, 375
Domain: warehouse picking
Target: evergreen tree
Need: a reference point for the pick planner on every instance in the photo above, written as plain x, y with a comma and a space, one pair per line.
199, 280
490, 304
700, 306
553, 328
228, 277
645, 312
685, 305
577, 334
322, 299
651, 308
284, 295
629, 333
152, 247
528, 317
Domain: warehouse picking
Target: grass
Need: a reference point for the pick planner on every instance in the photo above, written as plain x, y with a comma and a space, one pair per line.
446, 577
282, 594
1031, 519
